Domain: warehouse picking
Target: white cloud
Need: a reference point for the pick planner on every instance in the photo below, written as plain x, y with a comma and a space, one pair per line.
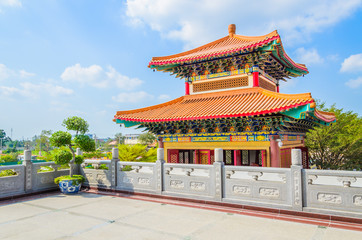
123, 82
25, 74
6, 73
32, 90
354, 83
10, 3
352, 64
198, 22
132, 97
96, 76
308, 57
92, 75
8, 91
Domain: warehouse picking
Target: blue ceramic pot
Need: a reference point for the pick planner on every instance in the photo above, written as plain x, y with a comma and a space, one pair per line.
69, 186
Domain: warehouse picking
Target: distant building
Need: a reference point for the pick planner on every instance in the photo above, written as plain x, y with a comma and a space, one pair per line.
131, 139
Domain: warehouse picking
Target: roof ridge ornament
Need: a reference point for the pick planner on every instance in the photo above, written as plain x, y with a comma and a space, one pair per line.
231, 29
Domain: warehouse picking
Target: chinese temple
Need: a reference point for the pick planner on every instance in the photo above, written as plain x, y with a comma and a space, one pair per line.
231, 101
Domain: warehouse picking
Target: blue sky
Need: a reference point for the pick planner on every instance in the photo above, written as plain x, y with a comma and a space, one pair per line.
89, 58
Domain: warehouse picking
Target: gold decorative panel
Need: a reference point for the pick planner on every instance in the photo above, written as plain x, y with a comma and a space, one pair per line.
220, 84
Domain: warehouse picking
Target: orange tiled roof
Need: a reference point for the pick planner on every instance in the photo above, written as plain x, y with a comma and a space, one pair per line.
233, 103
325, 116
226, 45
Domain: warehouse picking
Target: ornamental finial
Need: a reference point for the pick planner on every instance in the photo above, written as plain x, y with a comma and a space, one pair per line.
232, 29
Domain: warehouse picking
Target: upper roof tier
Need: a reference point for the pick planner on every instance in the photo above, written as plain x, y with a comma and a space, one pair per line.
233, 103
259, 49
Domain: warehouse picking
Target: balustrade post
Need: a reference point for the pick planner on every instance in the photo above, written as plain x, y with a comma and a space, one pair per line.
76, 167
113, 167
28, 165
296, 174
218, 170
159, 170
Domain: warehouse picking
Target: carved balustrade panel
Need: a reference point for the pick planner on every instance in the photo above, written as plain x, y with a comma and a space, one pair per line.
331, 189
137, 176
189, 180
264, 185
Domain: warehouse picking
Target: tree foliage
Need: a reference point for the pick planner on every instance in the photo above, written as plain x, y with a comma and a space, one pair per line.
63, 139
136, 153
3, 137
77, 124
120, 138
60, 138
85, 143
42, 141
62, 156
146, 138
338, 146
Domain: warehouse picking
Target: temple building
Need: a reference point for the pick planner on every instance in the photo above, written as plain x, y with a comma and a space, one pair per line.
231, 101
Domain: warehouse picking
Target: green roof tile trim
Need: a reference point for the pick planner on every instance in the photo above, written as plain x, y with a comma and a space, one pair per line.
127, 123
302, 112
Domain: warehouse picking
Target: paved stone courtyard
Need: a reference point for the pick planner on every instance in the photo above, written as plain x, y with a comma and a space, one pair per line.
94, 216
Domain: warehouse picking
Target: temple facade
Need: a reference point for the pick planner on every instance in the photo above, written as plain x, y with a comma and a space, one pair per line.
231, 101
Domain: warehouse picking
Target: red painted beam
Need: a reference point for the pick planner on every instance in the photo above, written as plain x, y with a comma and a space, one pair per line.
255, 79
187, 88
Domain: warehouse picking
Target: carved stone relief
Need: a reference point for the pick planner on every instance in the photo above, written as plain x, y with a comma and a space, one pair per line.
5, 186
144, 181
357, 200
296, 175
329, 198
244, 190
269, 192
127, 180
197, 186
177, 184
101, 178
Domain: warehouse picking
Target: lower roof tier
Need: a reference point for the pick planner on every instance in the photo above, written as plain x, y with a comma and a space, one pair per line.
234, 103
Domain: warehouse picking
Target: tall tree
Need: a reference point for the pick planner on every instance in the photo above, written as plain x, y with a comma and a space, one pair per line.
146, 138
120, 138
3, 138
42, 142
338, 146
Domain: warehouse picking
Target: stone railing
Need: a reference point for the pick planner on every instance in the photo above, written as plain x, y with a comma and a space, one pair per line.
295, 188
189, 180
258, 186
326, 190
12, 185
29, 178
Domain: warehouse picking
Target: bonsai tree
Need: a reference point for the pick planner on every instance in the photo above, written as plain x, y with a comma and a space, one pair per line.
65, 152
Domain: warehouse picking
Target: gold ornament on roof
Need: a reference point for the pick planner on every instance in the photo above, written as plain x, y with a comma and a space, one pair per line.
231, 29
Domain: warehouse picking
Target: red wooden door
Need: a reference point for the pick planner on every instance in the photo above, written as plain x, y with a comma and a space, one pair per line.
173, 156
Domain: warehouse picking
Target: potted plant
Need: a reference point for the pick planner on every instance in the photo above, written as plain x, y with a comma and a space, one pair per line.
65, 152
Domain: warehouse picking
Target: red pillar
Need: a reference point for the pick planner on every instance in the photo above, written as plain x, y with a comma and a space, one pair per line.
263, 160
274, 152
255, 79
187, 88
277, 87
160, 142
237, 157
